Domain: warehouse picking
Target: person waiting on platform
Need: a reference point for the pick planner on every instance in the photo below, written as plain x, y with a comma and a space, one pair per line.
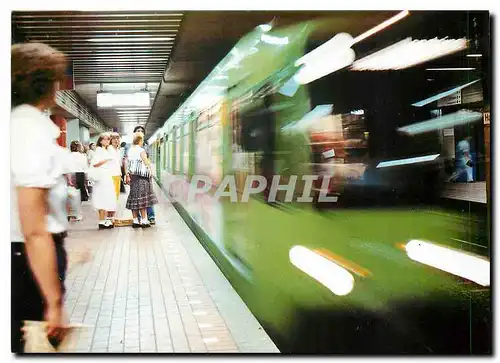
139, 175
115, 165
103, 196
150, 210
38, 193
464, 162
79, 179
123, 163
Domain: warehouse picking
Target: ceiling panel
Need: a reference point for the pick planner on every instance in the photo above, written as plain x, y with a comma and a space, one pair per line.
110, 51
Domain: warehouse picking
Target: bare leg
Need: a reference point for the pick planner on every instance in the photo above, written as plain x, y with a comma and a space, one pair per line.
102, 215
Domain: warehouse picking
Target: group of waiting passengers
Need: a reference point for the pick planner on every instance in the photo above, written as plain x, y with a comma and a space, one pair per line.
41, 175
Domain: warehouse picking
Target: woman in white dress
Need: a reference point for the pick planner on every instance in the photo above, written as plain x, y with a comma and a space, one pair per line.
103, 195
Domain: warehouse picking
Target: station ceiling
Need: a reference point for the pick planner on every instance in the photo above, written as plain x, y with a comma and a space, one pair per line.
166, 53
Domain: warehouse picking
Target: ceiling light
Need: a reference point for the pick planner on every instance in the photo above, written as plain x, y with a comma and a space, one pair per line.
443, 94
108, 100
474, 55
334, 277
458, 263
408, 53
114, 40
382, 26
451, 69
340, 41
312, 71
407, 161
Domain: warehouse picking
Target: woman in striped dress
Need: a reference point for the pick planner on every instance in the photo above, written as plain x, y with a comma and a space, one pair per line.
139, 173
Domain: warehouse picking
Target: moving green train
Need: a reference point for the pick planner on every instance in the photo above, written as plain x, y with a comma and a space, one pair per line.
358, 255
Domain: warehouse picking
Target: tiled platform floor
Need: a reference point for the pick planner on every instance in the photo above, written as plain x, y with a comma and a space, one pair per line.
154, 290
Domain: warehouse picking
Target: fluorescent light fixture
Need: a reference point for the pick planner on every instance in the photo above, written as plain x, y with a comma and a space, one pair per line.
334, 277
458, 263
451, 69
326, 50
270, 39
358, 112
474, 55
312, 71
408, 53
116, 39
407, 161
265, 27
443, 94
461, 117
108, 100
382, 26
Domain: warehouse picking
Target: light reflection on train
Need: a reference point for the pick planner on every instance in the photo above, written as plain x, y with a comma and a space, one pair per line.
383, 267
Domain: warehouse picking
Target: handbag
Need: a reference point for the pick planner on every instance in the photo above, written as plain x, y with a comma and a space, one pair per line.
137, 167
74, 199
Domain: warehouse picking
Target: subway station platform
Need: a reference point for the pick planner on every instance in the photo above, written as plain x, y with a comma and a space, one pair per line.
153, 290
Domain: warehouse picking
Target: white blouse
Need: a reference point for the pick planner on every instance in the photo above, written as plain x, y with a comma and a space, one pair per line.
115, 164
36, 161
79, 161
134, 153
99, 155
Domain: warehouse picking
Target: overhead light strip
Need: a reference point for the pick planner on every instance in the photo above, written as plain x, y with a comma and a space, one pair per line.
338, 51
107, 100
408, 53
451, 69
132, 39
443, 94
110, 32
63, 28
381, 26
461, 117
407, 161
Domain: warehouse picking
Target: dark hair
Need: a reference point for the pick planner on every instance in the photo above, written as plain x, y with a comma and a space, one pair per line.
74, 146
35, 68
139, 127
123, 144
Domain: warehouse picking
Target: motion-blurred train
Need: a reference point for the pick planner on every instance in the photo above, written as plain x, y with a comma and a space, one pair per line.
383, 267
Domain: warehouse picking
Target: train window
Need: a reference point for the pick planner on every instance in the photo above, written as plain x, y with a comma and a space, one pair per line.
164, 152
178, 150
208, 144
186, 146
171, 146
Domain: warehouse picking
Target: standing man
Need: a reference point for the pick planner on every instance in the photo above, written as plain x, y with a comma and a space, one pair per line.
150, 210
